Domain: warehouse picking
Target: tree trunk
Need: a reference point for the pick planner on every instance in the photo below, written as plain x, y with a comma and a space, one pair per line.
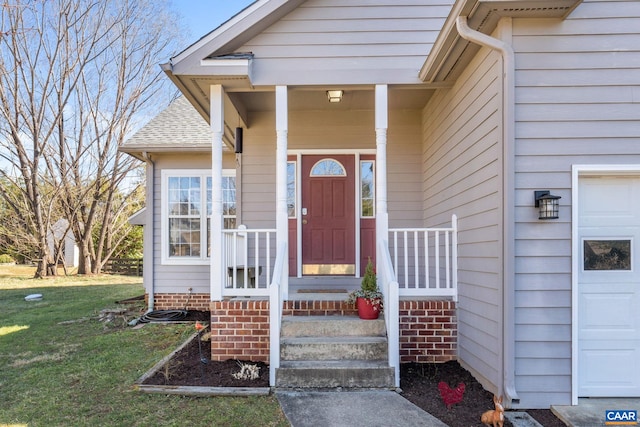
84, 259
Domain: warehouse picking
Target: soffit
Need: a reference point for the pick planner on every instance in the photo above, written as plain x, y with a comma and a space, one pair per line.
354, 98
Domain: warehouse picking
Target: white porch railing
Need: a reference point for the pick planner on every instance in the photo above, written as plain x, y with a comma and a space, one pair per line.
425, 260
248, 260
275, 313
425, 263
389, 288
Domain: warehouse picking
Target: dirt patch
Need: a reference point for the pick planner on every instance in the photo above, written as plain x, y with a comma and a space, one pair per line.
187, 369
419, 383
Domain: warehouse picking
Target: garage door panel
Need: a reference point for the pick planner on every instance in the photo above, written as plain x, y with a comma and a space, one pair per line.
609, 200
619, 310
614, 381
608, 290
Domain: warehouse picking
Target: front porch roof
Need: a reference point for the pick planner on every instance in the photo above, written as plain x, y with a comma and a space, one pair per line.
232, 34
223, 58
451, 53
213, 60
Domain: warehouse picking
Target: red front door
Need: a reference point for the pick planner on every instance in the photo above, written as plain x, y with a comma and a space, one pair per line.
328, 215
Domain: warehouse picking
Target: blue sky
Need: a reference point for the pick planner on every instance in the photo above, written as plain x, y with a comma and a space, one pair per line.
203, 16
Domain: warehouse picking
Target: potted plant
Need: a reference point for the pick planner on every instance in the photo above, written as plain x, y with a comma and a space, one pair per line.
368, 298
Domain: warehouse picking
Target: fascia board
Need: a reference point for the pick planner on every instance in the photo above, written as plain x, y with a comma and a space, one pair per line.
450, 50
445, 42
233, 33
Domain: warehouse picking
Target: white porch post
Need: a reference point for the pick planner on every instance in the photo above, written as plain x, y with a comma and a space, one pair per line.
381, 124
217, 126
282, 216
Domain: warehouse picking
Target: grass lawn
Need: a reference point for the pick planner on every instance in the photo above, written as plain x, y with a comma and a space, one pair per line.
59, 366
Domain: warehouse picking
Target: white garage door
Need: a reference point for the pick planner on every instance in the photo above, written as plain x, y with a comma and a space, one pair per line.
609, 287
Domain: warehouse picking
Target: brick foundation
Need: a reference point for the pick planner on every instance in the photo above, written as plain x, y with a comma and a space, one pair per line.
179, 301
240, 328
428, 331
318, 308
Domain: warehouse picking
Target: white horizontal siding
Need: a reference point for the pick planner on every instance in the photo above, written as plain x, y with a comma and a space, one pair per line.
258, 198
462, 176
577, 102
404, 186
529, 314
360, 41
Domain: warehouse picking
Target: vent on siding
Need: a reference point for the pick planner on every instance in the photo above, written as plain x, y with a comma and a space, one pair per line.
538, 12
489, 12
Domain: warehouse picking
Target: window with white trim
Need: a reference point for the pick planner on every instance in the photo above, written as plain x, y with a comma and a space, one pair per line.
367, 189
186, 213
291, 189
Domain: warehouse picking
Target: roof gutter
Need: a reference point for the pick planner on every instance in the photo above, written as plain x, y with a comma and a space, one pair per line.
508, 188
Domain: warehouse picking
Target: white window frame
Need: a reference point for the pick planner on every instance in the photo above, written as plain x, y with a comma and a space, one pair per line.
227, 173
203, 174
373, 198
294, 164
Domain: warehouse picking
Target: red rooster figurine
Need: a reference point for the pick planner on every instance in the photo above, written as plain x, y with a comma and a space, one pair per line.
451, 396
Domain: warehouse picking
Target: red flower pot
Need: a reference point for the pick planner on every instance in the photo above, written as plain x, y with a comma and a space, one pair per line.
368, 309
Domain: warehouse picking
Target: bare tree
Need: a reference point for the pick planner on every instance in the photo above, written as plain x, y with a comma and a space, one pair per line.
75, 75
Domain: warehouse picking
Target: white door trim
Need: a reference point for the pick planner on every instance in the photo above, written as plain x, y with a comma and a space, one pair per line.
577, 172
329, 152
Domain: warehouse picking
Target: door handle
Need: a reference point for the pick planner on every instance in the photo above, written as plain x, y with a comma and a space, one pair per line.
304, 221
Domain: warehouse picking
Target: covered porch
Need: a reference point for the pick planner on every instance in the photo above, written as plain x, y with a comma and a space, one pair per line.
266, 274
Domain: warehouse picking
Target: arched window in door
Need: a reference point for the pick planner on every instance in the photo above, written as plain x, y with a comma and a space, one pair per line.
328, 167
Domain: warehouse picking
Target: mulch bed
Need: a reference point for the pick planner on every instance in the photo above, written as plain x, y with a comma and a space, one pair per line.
187, 369
419, 383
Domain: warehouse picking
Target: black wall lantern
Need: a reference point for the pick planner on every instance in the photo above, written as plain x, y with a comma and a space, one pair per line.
238, 140
548, 205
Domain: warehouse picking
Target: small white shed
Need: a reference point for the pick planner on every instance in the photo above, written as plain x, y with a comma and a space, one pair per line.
61, 237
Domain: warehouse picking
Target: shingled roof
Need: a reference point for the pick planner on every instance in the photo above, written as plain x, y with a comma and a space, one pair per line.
179, 127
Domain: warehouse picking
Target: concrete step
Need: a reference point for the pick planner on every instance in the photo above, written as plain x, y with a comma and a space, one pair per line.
332, 374
333, 351
334, 348
311, 326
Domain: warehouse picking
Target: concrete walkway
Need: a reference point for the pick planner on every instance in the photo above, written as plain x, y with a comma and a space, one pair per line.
380, 408
353, 409
590, 412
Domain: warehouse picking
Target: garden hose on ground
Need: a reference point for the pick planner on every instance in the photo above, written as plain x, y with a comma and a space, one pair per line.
166, 315
163, 316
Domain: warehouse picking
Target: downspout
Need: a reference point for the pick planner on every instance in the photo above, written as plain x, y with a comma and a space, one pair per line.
508, 217
148, 267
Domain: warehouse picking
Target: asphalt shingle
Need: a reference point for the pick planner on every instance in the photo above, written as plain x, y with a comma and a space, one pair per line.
178, 126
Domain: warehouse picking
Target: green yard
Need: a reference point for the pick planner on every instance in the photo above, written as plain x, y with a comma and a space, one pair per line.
60, 366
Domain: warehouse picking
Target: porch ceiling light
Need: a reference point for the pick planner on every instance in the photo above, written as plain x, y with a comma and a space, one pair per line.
548, 205
335, 95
